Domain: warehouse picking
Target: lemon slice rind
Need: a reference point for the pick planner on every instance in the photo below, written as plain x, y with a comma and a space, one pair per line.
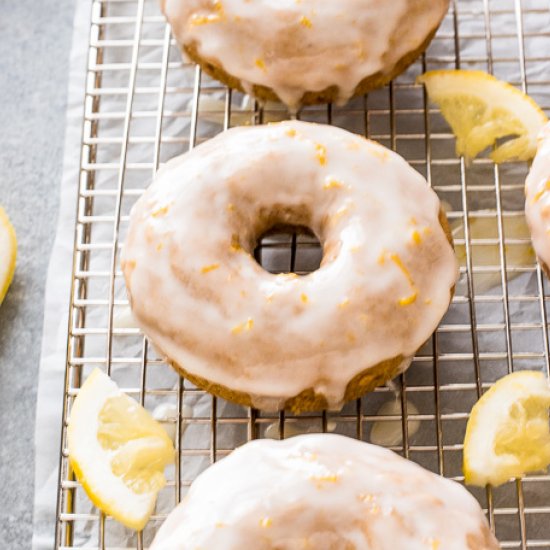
502, 110
8, 253
92, 464
495, 414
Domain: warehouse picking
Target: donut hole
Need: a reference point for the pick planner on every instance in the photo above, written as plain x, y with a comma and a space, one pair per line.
287, 248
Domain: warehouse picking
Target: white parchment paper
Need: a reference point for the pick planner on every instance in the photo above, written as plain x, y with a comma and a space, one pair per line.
54, 341
50, 390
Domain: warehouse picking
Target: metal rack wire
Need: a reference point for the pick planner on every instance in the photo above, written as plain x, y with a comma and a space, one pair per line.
143, 105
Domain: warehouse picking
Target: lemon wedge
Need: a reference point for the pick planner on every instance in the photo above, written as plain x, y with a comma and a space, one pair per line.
8, 253
508, 434
118, 452
482, 109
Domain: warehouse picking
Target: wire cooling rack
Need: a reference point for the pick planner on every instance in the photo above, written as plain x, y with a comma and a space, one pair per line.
143, 105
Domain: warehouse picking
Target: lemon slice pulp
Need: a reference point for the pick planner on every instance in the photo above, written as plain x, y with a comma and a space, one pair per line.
482, 109
118, 452
508, 434
8, 253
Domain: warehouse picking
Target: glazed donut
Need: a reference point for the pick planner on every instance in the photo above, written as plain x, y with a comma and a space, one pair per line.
537, 200
323, 492
284, 341
305, 52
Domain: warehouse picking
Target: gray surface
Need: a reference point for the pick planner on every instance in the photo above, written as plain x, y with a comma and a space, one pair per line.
35, 41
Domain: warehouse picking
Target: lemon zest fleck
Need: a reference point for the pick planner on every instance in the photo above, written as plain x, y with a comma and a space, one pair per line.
246, 326
396, 259
306, 22
329, 478
374, 509
340, 213
266, 523
209, 268
198, 20
380, 153
538, 195
235, 244
409, 299
162, 211
287, 275
332, 183
321, 154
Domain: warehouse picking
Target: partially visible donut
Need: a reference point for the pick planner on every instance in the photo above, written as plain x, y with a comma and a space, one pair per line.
537, 200
305, 52
323, 492
284, 341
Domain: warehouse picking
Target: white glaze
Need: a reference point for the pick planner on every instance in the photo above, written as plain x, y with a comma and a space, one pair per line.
215, 312
323, 492
296, 46
537, 198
